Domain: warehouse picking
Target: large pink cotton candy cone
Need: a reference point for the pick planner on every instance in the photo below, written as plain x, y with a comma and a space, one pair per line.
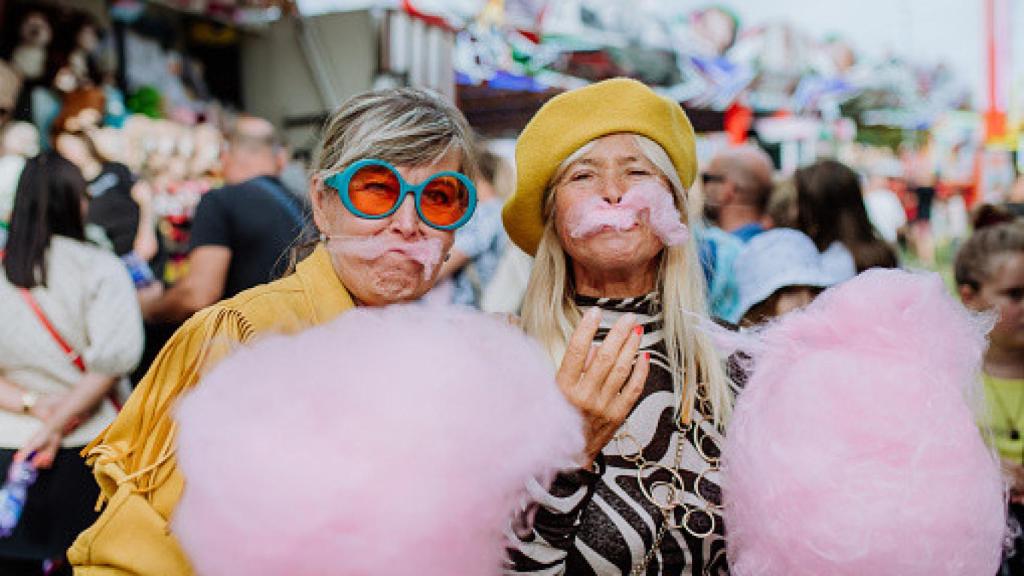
389, 442
853, 449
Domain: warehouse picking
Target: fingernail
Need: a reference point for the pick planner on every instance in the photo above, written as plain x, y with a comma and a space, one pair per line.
639, 330
647, 355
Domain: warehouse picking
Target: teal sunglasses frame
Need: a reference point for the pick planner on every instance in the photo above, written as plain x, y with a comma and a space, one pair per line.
341, 180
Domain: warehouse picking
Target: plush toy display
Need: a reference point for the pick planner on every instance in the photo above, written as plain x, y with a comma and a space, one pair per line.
10, 85
29, 57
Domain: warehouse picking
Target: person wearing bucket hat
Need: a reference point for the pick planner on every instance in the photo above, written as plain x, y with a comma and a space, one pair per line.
615, 297
780, 271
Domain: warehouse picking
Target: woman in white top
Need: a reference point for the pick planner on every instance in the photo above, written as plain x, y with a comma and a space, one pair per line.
50, 408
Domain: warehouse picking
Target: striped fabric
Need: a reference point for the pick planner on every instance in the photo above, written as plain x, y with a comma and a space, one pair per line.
601, 523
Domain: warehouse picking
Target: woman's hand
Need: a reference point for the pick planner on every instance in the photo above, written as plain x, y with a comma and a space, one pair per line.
605, 382
149, 294
142, 192
45, 406
45, 443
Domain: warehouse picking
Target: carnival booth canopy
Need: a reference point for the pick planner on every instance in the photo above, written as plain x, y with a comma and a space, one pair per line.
707, 59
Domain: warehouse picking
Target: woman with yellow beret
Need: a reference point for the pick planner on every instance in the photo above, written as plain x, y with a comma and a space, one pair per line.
616, 301
388, 193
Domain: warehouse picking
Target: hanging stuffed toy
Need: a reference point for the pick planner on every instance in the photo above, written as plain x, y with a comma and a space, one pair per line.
853, 449
30, 55
391, 441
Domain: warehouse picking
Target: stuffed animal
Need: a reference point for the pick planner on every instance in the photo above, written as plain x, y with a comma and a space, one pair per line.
10, 85
29, 57
86, 47
82, 109
19, 139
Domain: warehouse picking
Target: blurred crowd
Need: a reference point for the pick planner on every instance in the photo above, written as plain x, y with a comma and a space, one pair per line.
199, 212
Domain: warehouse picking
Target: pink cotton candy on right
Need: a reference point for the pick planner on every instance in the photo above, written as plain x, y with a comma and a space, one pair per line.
853, 448
650, 201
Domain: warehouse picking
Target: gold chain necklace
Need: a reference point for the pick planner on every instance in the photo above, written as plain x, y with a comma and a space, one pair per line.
668, 496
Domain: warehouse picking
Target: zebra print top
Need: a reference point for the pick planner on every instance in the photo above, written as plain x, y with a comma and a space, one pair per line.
601, 523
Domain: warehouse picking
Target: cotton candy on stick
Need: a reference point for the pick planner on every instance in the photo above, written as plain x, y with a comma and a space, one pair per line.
388, 442
853, 449
650, 201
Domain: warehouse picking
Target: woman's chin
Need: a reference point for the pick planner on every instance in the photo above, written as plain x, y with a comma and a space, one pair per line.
397, 282
387, 291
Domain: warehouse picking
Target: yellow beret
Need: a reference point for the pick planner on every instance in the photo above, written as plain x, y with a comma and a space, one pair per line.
570, 120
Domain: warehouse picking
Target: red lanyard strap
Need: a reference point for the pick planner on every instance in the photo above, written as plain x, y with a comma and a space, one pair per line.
70, 352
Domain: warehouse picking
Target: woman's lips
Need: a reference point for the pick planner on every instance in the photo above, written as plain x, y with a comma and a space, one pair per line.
427, 251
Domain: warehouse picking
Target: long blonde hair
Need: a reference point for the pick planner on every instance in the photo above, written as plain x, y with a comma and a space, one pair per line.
550, 314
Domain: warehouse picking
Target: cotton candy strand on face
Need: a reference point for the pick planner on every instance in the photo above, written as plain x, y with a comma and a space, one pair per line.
389, 442
853, 448
427, 252
650, 201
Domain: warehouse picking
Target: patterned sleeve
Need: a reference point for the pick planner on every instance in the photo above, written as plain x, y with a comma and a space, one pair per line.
541, 535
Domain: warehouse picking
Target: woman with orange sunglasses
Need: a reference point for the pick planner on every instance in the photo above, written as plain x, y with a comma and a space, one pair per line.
388, 191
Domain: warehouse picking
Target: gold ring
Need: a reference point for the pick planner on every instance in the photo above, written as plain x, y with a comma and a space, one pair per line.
647, 493
629, 456
698, 444
696, 487
686, 523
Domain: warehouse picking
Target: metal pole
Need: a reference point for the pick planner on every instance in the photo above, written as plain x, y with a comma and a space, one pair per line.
309, 42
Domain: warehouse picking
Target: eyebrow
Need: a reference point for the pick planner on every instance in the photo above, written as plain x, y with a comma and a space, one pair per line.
599, 162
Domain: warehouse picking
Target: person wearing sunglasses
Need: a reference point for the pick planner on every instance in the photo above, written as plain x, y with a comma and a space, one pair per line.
617, 305
388, 190
737, 185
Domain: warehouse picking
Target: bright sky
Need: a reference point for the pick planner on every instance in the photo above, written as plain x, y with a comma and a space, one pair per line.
950, 31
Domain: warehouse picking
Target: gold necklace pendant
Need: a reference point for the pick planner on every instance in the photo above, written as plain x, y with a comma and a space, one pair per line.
668, 496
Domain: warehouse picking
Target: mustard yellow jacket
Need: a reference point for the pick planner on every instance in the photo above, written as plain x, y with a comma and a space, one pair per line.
134, 458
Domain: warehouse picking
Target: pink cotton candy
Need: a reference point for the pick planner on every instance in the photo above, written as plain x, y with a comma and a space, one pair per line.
853, 448
391, 441
650, 201
426, 251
